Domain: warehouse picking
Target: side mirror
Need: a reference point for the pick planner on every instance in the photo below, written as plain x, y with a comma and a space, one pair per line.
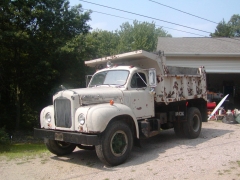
152, 77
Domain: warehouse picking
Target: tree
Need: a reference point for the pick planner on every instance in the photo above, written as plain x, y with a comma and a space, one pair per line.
32, 60
130, 37
102, 43
139, 36
234, 23
230, 29
222, 30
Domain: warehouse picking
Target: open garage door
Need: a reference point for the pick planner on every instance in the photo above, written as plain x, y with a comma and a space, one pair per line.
225, 84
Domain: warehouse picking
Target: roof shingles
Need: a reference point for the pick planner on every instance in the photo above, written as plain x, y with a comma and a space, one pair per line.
199, 45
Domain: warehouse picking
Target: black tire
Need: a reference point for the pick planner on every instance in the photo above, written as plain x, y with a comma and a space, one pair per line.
178, 129
59, 148
192, 127
85, 147
116, 144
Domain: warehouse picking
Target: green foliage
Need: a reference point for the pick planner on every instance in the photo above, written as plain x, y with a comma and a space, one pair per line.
234, 23
222, 30
139, 36
4, 140
230, 29
101, 43
33, 62
130, 37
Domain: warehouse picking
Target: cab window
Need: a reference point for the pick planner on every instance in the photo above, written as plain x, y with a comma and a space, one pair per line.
137, 81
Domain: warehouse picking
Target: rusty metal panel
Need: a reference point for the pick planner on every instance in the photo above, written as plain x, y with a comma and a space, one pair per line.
175, 87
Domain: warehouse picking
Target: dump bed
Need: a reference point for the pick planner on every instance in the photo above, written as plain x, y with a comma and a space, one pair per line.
173, 83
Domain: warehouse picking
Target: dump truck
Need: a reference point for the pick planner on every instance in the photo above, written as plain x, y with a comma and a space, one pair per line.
131, 96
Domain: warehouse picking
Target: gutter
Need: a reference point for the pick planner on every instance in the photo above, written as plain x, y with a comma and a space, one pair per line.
172, 54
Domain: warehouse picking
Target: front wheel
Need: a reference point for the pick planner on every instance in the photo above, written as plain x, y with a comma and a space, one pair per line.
192, 127
116, 144
59, 148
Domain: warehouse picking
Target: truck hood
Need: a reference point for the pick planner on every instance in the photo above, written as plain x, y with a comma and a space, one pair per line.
92, 95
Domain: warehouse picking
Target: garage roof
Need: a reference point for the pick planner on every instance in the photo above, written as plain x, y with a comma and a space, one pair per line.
199, 46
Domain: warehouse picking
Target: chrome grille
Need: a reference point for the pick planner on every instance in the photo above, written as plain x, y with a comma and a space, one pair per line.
62, 108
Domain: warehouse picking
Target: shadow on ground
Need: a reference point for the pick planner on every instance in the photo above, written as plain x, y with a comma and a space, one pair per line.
151, 149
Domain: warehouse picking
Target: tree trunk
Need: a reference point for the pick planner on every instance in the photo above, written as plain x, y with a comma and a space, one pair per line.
18, 107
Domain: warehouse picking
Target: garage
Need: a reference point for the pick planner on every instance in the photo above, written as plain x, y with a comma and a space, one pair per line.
219, 56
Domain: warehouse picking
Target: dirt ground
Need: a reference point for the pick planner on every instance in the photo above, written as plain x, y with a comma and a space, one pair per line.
214, 155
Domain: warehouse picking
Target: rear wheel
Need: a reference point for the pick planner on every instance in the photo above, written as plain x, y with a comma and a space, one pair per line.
192, 127
116, 144
59, 148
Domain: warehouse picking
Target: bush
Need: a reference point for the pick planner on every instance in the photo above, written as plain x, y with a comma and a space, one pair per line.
4, 140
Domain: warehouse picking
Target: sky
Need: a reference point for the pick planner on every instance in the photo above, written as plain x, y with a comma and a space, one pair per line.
212, 10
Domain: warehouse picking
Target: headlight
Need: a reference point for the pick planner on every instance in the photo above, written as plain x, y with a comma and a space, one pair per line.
48, 117
81, 119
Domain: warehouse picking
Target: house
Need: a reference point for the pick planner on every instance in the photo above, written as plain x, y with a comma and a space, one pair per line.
219, 56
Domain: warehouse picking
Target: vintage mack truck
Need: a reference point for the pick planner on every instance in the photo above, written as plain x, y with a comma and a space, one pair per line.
131, 96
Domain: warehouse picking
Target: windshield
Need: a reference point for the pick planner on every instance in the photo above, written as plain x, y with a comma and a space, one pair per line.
114, 77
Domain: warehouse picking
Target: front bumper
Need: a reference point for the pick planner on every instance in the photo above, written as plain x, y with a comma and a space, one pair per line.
71, 137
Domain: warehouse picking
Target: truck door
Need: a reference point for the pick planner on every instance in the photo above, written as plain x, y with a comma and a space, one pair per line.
141, 101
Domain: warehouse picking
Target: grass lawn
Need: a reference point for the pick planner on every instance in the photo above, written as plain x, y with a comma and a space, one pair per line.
22, 150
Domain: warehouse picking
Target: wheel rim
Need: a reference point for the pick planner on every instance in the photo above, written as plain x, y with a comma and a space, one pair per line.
196, 123
119, 143
63, 144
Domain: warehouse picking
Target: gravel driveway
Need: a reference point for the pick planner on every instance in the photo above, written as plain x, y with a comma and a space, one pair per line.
214, 155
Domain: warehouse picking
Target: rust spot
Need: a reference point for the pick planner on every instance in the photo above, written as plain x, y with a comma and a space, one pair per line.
175, 85
139, 108
80, 128
158, 80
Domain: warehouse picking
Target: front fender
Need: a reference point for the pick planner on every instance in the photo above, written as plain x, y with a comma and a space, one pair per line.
43, 122
99, 116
